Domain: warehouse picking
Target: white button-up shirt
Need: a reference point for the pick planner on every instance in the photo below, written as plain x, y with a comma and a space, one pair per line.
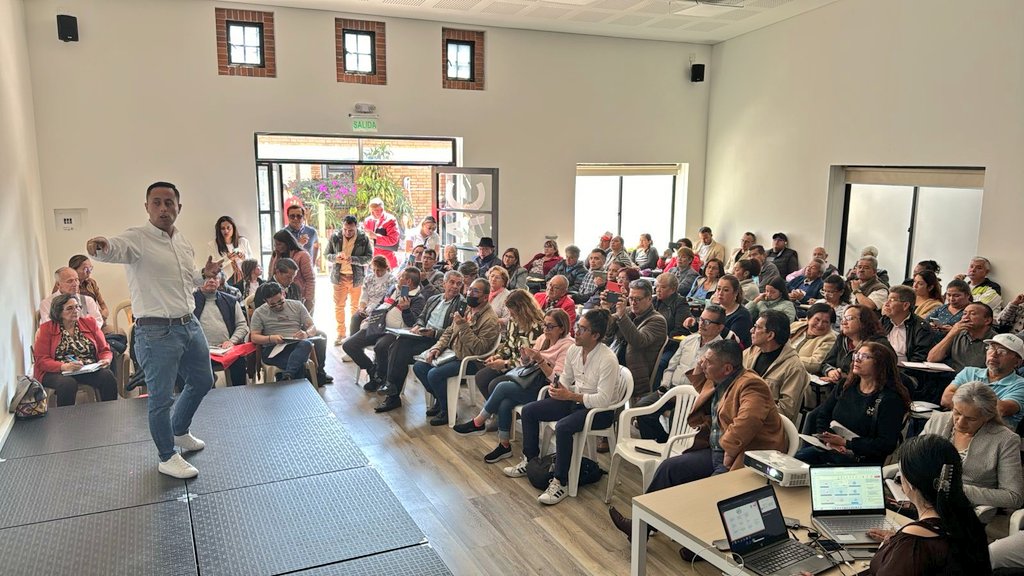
162, 272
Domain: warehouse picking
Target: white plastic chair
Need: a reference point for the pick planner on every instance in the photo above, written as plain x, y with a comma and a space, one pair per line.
126, 307
270, 372
792, 435
455, 382
680, 437
624, 386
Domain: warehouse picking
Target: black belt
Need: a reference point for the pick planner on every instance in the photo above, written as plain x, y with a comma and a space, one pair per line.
153, 321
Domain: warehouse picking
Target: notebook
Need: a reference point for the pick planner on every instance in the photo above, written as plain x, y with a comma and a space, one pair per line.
847, 501
756, 530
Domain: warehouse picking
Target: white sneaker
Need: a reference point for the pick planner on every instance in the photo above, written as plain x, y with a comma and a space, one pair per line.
177, 467
345, 357
554, 494
517, 471
189, 443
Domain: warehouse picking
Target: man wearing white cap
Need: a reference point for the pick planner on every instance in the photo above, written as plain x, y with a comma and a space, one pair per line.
1003, 355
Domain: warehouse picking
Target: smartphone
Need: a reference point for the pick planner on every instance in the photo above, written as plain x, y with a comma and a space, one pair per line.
554, 381
613, 286
405, 291
611, 297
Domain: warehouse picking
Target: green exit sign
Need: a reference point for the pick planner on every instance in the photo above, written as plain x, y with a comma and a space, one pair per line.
364, 124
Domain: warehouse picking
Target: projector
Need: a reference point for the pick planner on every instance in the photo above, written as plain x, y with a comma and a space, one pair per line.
779, 467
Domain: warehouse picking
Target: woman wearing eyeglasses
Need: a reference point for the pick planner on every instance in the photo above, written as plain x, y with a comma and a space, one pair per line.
69, 341
836, 293
857, 327
869, 409
516, 273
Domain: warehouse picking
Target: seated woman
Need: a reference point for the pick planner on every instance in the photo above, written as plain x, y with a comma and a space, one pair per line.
227, 243
543, 262
990, 451
451, 259
516, 273
872, 404
737, 318
67, 342
813, 338
705, 286
251, 278
1011, 319
525, 324
645, 257
928, 291
376, 286
774, 297
947, 538
836, 293
497, 277
548, 353
958, 296
858, 326
285, 246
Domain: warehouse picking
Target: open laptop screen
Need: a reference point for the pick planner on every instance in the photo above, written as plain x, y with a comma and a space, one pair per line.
847, 490
753, 520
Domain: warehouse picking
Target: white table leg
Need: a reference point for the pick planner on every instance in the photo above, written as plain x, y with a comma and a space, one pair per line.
638, 550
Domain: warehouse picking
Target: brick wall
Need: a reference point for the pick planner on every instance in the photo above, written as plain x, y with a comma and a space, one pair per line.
379, 76
477, 38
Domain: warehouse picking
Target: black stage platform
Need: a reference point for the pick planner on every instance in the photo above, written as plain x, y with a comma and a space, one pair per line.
282, 489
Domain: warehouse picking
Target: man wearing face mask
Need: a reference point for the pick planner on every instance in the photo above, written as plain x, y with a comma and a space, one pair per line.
281, 318
472, 334
636, 333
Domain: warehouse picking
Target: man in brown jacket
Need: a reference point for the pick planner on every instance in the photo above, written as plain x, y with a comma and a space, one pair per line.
745, 418
637, 333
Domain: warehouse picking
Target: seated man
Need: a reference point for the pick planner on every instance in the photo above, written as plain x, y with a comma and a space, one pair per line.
983, 289
768, 272
670, 304
784, 257
68, 283
636, 333
402, 312
617, 253
1003, 356
774, 360
590, 381
683, 271
745, 418
909, 335
431, 279
594, 279
827, 268
285, 270
557, 296
571, 268
485, 257
866, 289
964, 344
807, 286
392, 367
709, 329
278, 319
708, 247
745, 271
474, 334
223, 322
746, 241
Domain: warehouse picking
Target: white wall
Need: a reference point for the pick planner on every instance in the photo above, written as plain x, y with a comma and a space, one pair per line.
21, 230
139, 99
870, 82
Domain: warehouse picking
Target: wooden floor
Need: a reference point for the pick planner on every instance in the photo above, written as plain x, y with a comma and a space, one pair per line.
480, 521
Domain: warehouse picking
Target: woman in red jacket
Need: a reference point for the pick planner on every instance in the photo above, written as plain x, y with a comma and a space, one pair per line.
69, 341
543, 262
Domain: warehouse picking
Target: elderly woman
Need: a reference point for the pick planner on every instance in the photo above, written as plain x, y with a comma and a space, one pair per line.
774, 297
548, 354
813, 337
705, 286
451, 259
543, 262
645, 257
516, 273
990, 451
497, 277
285, 246
69, 341
524, 325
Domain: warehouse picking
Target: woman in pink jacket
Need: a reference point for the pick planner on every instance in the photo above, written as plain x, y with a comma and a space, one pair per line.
66, 343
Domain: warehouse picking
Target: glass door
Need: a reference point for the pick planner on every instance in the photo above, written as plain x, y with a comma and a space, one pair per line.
466, 204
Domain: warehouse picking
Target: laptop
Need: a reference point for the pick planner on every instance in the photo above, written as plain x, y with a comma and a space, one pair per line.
756, 530
847, 501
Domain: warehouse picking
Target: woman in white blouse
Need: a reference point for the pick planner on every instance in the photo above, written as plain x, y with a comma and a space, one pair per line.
227, 243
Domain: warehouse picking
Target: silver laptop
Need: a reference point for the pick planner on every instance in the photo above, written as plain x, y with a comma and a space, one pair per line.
757, 532
847, 501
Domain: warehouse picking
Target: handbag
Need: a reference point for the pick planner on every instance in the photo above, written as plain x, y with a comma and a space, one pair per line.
527, 376
29, 399
376, 322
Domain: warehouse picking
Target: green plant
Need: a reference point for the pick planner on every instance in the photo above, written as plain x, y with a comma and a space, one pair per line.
332, 197
376, 181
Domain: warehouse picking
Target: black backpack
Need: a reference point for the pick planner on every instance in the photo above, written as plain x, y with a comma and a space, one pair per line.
540, 471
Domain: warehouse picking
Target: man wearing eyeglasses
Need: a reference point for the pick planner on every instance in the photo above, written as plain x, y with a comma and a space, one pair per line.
304, 234
283, 321
636, 333
557, 296
1003, 355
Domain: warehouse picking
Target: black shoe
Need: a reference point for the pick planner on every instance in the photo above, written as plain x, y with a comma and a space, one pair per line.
434, 409
324, 378
283, 376
469, 427
625, 525
386, 390
373, 385
498, 454
137, 379
440, 420
388, 404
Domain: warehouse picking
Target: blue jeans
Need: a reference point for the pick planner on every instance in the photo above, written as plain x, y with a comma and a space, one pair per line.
570, 417
506, 396
292, 359
167, 353
435, 378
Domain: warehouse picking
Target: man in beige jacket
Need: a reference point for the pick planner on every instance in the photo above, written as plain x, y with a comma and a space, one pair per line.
776, 362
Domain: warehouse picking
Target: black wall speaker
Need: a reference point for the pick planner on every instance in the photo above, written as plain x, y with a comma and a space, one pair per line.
696, 73
67, 28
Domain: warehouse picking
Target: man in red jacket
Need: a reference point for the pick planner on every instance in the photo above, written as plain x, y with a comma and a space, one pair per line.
382, 228
557, 296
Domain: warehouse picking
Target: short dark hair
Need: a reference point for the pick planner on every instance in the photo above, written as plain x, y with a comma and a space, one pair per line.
819, 307
837, 281
350, 219
644, 286
751, 267
296, 207
414, 275
718, 311
960, 286
778, 323
469, 268
728, 351
268, 290
430, 251
154, 185
599, 319
756, 248
57, 306
285, 265
988, 309
905, 294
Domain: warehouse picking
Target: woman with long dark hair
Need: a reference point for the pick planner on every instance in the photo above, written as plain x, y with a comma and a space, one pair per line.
947, 537
516, 272
251, 278
928, 292
285, 246
857, 326
228, 243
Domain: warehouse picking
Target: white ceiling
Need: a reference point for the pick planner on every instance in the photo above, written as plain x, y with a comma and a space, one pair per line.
643, 19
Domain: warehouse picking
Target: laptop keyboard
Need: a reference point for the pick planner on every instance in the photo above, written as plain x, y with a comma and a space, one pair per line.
848, 525
786, 555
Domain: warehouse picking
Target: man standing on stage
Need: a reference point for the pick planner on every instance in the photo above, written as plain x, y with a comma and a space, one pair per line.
382, 228
169, 342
